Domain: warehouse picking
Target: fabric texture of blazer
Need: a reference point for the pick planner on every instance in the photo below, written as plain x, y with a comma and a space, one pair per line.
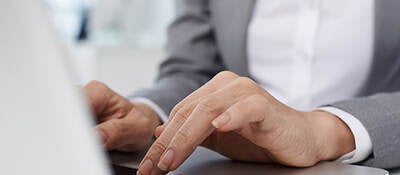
209, 36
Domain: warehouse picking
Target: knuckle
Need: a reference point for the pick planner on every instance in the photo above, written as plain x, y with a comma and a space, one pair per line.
227, 74
182, 137
221, 79
174, 111
245, 82
97, 90
179, 120
177, 109
256, 99
209, 106
123, 111
95, 83
249, 86
244, 86
183, 113
157, 149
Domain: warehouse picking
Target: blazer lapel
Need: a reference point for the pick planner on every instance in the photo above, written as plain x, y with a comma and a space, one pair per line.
232, 18
387, 34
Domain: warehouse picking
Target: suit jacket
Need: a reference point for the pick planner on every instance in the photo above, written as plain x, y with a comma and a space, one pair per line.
209, 36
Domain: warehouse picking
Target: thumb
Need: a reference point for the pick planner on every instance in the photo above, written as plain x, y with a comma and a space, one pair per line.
98, 95
160, 130
110, 133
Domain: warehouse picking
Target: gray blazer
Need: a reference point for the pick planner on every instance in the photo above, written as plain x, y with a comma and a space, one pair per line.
209, 36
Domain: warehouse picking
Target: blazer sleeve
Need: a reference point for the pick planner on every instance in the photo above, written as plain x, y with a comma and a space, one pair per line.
380, 114
192, 56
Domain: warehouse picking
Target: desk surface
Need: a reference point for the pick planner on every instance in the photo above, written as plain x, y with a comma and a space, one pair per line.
214, 164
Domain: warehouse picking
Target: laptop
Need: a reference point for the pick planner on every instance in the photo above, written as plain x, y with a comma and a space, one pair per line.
204, 161
46, 127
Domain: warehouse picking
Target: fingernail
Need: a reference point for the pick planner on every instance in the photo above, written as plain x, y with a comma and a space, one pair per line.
146, 167
166, 160
220, 121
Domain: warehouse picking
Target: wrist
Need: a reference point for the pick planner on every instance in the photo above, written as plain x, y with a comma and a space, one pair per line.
333, 137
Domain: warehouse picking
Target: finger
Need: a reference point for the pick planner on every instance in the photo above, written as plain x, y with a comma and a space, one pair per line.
118, 133
191, 101
220, 80
110, 132
186, 106
191, 134
97, 94
159, 130
159, 146
249, 117
241, 114
105, 103
237, 86
198, 126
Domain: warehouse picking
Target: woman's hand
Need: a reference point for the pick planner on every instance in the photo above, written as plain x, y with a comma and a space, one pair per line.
236, 117
122, 125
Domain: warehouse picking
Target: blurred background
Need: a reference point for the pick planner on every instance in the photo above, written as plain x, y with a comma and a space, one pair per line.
118, 42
